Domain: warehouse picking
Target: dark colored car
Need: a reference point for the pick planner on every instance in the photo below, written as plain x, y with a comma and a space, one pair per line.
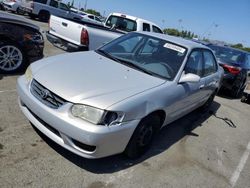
1, 5
21, 43
235, 63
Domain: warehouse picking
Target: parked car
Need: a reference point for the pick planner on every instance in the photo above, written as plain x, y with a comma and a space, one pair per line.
76, 35
115, 99
20, 43
1, 5
86, 17
235, 63
12, 5
44, 8
92, 19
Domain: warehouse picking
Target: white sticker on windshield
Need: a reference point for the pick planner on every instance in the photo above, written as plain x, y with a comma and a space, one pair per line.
174, 47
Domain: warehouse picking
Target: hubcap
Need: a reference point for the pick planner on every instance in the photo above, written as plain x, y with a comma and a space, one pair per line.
10, 58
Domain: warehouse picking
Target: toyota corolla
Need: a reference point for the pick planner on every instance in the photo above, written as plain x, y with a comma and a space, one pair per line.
115, 99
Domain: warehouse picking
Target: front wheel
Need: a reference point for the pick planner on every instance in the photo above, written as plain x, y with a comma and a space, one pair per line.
12, 59
143, 136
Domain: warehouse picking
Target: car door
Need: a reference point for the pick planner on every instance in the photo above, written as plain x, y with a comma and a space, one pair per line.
189, 94
209, 73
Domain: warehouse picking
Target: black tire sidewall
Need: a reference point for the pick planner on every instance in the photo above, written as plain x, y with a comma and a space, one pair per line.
133, 150
44, 16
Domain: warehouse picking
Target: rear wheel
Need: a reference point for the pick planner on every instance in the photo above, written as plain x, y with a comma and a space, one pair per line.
32, 16
19, 11
236, 92
44, 16
143, 136
12, 58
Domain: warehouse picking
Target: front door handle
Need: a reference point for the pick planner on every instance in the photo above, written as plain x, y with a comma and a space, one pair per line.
64, 24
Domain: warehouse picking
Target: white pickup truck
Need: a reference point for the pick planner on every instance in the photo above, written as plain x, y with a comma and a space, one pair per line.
44, 8
74, 35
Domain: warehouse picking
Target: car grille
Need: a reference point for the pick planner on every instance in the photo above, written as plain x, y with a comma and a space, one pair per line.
45, 96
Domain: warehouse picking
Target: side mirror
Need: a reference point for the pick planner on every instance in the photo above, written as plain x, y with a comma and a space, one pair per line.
193, 78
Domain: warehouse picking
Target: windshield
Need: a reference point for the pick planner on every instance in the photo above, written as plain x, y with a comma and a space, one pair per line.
228, 55
121, 23
150, 55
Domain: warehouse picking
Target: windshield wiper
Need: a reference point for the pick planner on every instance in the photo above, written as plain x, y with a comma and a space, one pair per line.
130, 64
108, 55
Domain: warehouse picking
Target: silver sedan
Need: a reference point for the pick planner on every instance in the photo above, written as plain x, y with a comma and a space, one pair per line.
115, 99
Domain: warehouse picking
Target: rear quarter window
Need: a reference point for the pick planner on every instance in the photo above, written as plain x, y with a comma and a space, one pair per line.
156, 29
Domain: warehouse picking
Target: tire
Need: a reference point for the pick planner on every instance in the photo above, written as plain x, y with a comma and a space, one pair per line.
19, 11
44, 16
32, 16
142, 137
206, 106
236, 92
12, 58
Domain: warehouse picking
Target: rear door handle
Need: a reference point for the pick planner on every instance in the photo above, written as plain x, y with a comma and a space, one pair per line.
64, 24
201, 86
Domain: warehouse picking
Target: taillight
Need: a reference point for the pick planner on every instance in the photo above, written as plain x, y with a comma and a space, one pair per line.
84, 37
13, 0
232, 69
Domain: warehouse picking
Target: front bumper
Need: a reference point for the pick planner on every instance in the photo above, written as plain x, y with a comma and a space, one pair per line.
65, 129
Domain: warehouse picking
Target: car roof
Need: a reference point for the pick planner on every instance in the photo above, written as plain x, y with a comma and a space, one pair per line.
10, 18
229, 47
178, 40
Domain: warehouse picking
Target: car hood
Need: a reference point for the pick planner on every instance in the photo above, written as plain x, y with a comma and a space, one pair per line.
92, 79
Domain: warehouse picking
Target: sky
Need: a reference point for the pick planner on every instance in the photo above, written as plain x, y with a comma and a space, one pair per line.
226, 20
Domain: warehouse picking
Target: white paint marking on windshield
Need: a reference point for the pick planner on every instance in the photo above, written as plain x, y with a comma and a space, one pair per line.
174, 47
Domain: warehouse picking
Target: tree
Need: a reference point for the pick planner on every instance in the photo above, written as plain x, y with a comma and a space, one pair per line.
239, 45
92, 11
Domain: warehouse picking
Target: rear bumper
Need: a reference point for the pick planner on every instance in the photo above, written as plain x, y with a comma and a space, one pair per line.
67, 131
65, 45
231, 81
26, 10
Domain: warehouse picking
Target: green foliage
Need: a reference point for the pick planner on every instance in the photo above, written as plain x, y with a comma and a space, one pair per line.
184, 34
92, 11
241, 47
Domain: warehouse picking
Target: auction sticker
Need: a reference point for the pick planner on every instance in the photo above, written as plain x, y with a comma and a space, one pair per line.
174, 47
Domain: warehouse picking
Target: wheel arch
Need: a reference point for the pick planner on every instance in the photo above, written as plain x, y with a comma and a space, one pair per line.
160, 113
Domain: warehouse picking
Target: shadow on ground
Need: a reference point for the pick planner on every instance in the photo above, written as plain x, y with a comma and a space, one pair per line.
169, 135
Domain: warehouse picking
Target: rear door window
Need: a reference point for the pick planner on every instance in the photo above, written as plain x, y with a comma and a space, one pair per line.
54, 3
64, 7
146, 27
210, 65
91, 17
194, 63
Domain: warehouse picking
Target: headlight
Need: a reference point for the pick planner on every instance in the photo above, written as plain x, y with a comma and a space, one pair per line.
91, 114
28, 74
96, 116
